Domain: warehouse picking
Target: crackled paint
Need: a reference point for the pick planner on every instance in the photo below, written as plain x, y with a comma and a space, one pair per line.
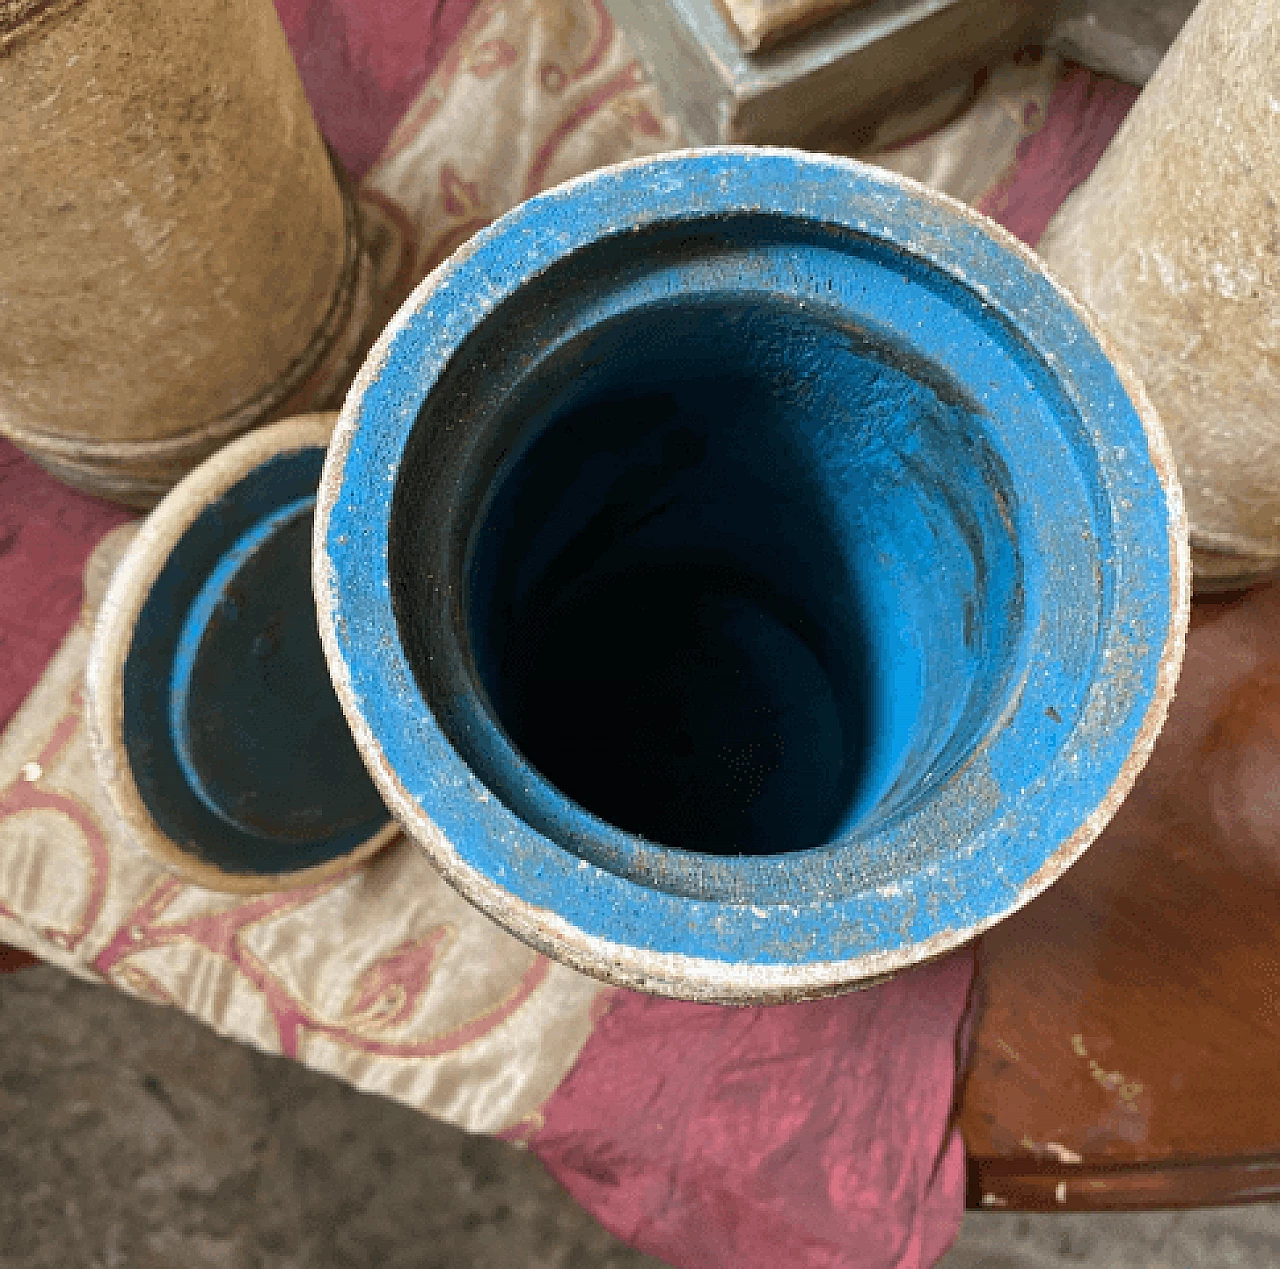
746, 573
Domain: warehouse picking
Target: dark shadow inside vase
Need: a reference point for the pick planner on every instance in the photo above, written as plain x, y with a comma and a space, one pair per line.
650, 652
718, 569
732, 574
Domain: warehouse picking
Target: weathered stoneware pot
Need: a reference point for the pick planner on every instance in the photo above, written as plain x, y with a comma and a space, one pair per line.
747, 574
179, 262
212, 720
1174, 242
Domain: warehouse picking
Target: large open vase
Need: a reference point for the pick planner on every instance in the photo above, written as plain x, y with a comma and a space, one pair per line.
747, 574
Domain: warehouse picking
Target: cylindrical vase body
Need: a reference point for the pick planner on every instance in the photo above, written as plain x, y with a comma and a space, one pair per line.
746, 574
179, 260
1174, 242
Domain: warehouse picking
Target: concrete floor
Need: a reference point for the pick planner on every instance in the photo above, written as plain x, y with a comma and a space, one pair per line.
133, 1138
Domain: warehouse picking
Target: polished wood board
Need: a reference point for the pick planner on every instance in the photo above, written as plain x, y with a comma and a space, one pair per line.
1127, 1036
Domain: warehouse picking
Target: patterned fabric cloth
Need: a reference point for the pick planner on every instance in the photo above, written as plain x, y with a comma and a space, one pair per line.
817, 1135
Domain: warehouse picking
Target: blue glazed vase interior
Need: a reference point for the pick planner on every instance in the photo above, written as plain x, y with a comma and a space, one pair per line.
748, 574
730, 572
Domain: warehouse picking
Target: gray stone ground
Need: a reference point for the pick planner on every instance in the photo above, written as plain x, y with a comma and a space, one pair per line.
133, 1138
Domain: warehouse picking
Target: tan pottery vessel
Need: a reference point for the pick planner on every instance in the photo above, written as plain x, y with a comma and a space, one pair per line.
1174, 242
180, 260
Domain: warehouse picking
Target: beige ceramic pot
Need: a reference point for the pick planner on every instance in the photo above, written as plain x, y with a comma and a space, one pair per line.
1174, 242
180, 261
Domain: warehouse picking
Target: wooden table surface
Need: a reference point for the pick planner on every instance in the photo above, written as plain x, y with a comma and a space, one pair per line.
1126, 1051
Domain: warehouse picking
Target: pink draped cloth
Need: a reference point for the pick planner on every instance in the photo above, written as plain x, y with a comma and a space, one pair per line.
811, 1136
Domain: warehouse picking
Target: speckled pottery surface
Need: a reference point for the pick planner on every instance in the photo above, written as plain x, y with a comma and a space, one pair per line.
212, 720
747, 574
1172, 243
182, 261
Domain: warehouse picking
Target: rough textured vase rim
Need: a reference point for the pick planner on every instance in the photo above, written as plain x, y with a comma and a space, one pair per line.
864, 196
125, 597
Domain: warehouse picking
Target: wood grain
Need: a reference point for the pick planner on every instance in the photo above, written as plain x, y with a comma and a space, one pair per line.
1129, 1019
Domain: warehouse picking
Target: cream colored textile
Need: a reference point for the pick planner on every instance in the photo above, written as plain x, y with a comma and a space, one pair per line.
969, 156
532, 93
383, 976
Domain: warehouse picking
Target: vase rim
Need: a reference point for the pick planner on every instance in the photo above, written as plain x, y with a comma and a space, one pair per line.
1033, 823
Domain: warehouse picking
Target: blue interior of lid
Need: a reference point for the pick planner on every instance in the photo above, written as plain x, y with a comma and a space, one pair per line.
235, 738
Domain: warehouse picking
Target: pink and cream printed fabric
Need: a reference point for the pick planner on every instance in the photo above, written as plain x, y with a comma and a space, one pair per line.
814, 1135
383, 977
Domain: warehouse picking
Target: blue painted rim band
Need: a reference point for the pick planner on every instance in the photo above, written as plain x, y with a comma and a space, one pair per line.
999, 830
